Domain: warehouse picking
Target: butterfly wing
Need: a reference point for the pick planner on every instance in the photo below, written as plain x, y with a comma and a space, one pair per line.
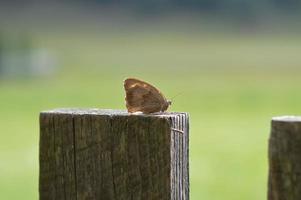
141, 96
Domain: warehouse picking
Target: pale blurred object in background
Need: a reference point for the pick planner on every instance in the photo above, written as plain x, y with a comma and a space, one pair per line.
20, 58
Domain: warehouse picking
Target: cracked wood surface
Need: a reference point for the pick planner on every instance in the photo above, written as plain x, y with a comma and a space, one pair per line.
285, 159
113, 155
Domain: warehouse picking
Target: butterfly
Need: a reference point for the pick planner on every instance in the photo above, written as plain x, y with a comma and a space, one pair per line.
143, 97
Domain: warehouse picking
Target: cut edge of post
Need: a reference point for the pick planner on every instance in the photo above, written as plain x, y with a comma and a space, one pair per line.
287, 118
109, 112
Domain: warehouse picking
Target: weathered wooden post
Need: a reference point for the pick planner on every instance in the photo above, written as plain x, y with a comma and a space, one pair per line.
285, 159
110, 154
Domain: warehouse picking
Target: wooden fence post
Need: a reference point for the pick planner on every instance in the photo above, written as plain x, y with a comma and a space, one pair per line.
110, 154
285, 159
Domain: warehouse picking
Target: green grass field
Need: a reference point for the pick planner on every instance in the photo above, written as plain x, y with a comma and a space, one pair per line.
230, 85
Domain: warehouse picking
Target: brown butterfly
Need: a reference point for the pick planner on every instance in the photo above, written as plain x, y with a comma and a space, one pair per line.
143, 97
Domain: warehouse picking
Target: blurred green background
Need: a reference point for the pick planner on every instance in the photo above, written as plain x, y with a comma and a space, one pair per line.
232, 77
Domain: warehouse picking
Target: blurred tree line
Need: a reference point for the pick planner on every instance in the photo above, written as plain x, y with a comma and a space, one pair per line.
208, 4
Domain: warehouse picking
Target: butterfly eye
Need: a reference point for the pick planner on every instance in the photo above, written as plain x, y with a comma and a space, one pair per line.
169, 102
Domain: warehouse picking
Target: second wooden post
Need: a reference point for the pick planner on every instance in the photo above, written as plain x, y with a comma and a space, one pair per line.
285, 159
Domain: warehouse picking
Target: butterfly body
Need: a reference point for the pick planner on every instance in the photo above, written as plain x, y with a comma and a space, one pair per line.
143, 97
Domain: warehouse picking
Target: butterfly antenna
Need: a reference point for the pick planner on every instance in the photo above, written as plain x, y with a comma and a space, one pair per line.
176, 96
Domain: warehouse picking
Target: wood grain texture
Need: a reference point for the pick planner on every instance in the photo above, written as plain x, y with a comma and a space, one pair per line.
112, 155
285, 159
